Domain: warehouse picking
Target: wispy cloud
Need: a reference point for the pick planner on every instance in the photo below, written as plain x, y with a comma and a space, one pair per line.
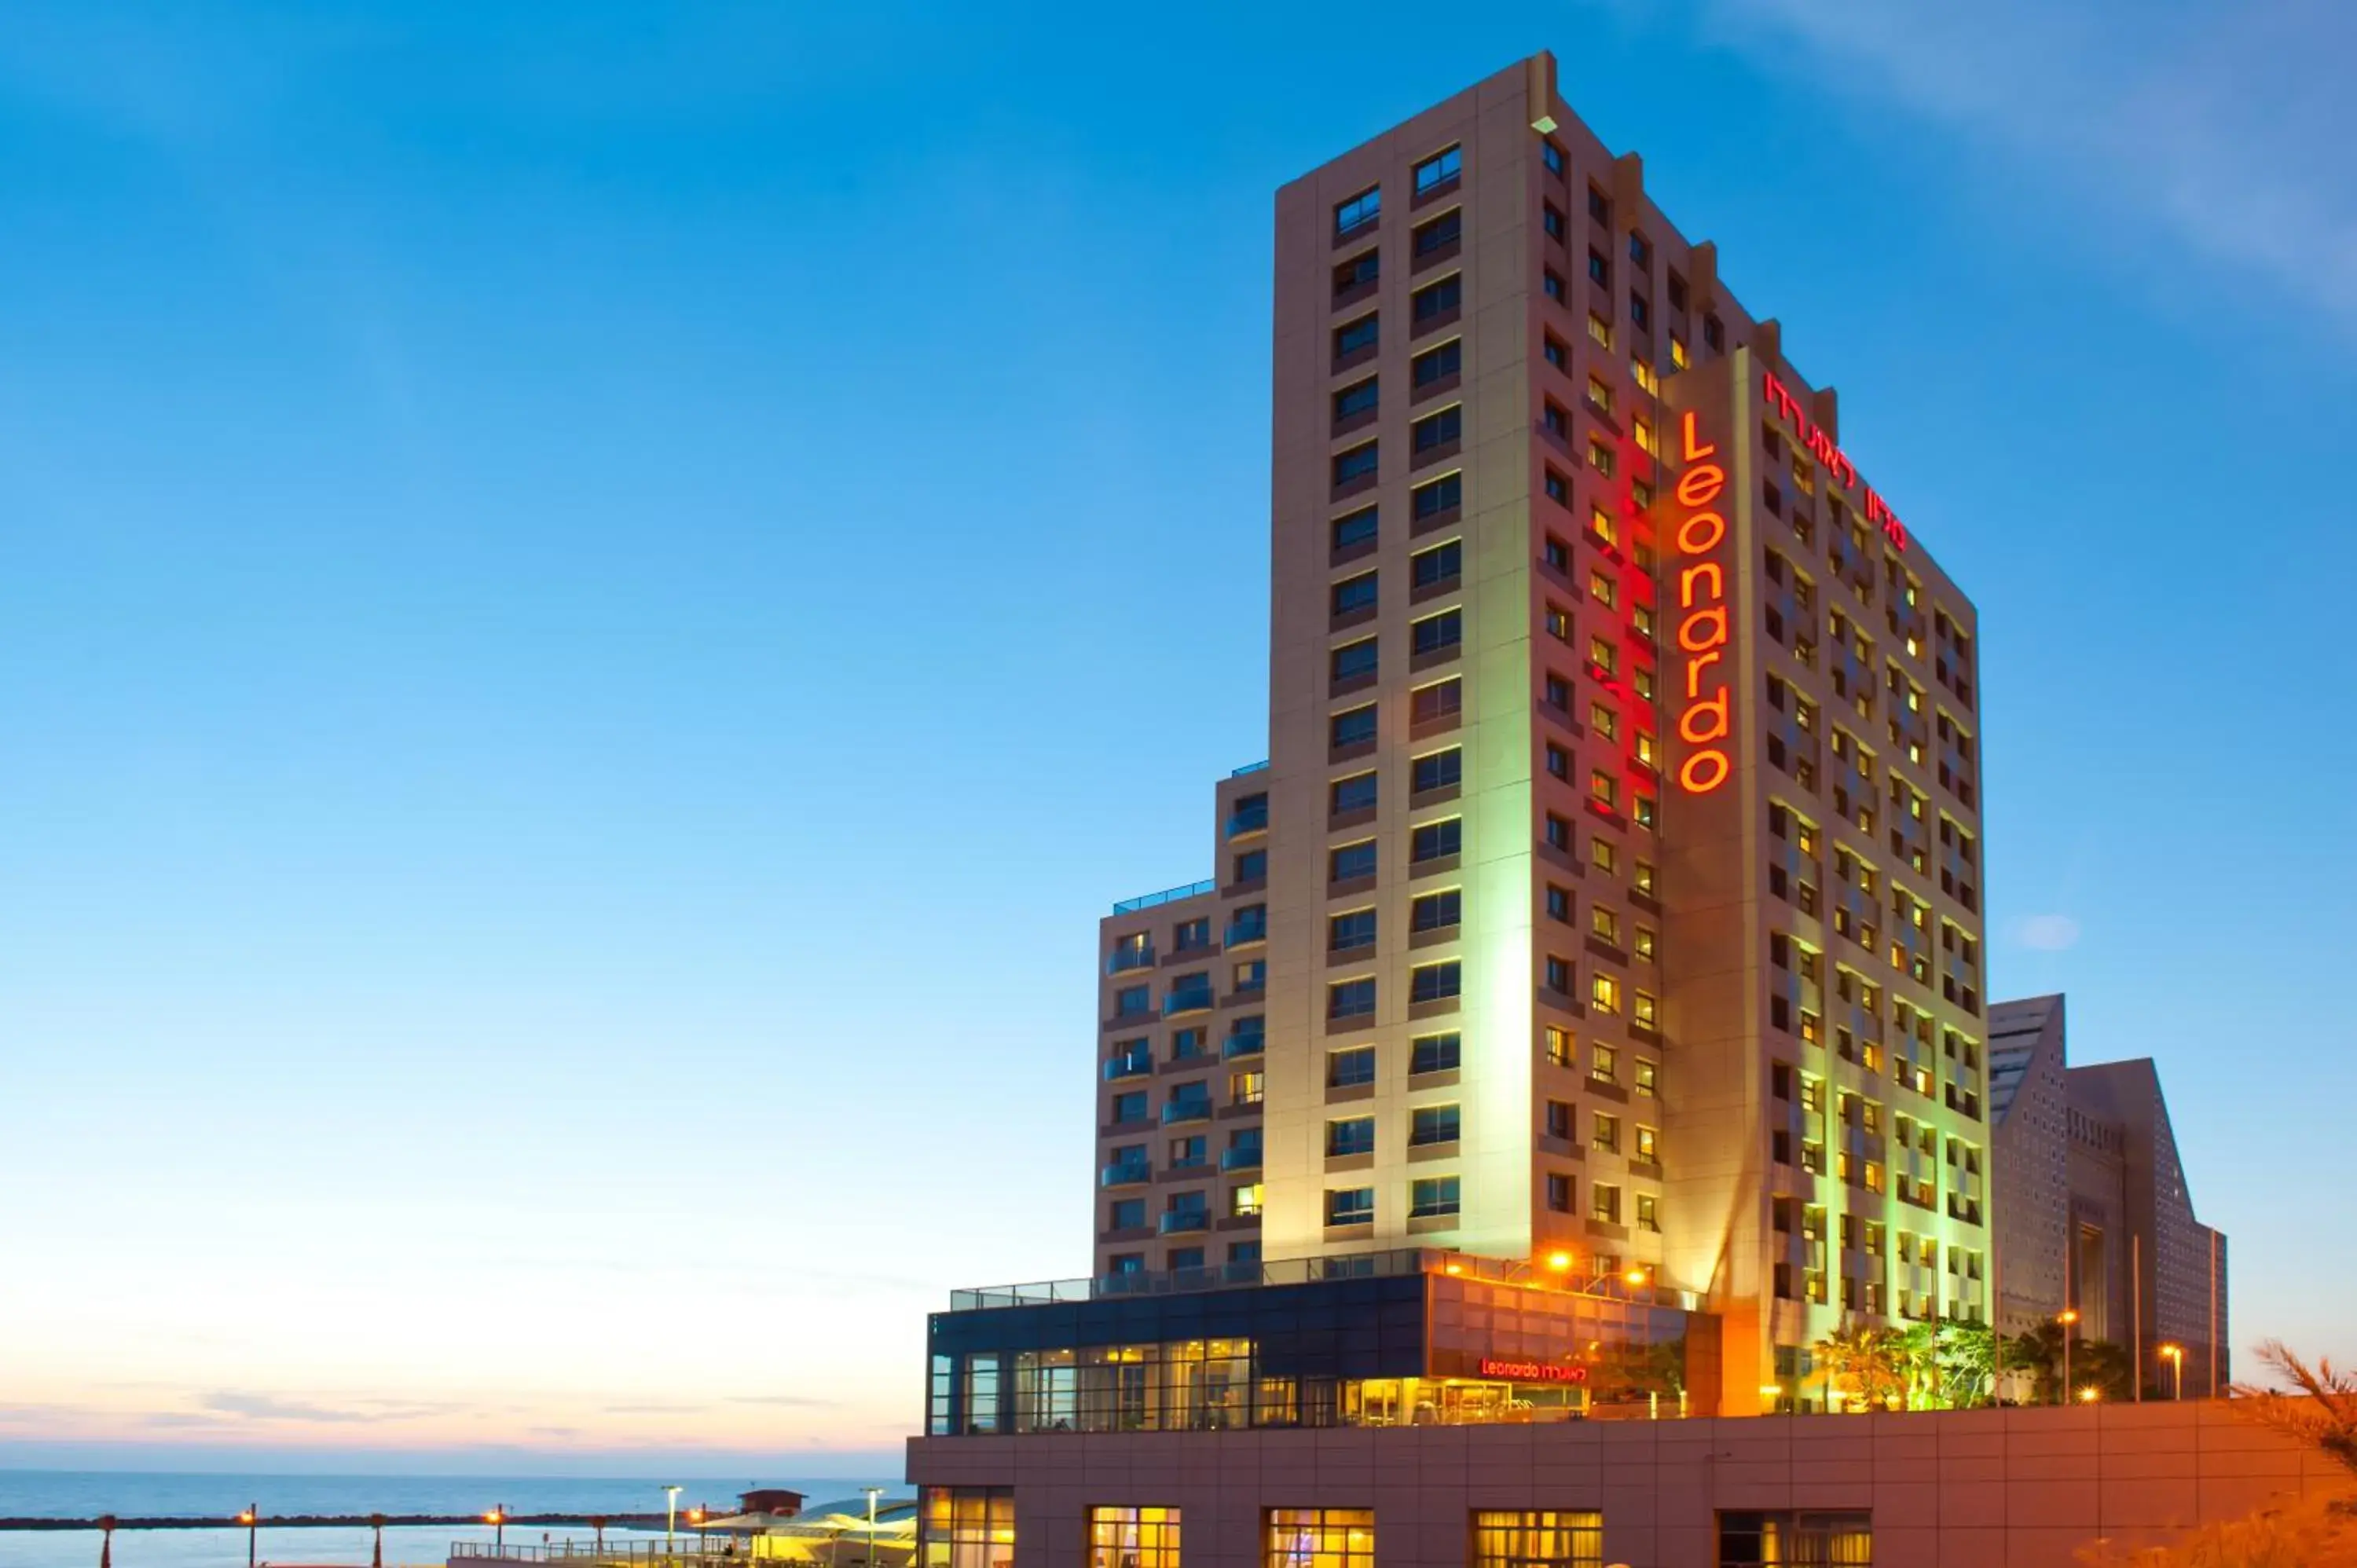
799, 1401
2224, 121
271, 1407
2045, 933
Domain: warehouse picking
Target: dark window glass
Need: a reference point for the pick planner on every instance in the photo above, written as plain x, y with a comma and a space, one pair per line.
1435, 911
1355, 593
1438, 429
1443, 229
1434, 299
1427, 500
1358, 463
1348, 1069
1350, 998
1639, 312
1355, 929
1360, 210
1434, 1053
1357, 398
1555, 353
1364, 268
1353, 336
1438, 169
1436, 770
1426, 704
1551, 220
1434, 364
1351, 862
1355, 727
1434, 841
1434, 633
1351, 1135
1356, 793
1551, 154
1433, 981
1599, 270
1437, 564
1354, 660
1354, 528
1552, 287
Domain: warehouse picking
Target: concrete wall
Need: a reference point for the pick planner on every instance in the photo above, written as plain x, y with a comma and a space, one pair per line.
2006, 1488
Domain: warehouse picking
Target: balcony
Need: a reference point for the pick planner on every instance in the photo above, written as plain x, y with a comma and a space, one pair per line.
1260, 767
1252, 822
1125, 959
1191, 1110
1240, 933
1245, 1157
1246, 1044
1183, 1221
1128, 1066
1125, 1173
1187, 999
1168, 896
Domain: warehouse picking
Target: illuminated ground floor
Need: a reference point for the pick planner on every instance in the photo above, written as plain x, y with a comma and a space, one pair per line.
2004, 1488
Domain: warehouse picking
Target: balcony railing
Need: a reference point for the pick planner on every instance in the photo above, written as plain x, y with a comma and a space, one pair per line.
1259, 767
1302, 1271
1182, 1221
1126, 959
1168, 896
1128, 1066
1245, 822
1236, 1045
1244, 1158
1178, 1111
1127, 1174
1239, 932
1191, 999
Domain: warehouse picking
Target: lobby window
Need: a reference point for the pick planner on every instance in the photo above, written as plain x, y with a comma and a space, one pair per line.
1355, 727
1433, 1197
1356, 793
1320, 1538
1434, 1053
1353, 594
968, 1527
1432, 982
1442, 494
1349, 1206
1440, 170
1543, 1538
1429, 1124
1348, 933
1436, 840
1350, 998
1359, 210
1351, 862
1351, 1068
1435, 911
1760, 1539
1436, 770
1350, 1135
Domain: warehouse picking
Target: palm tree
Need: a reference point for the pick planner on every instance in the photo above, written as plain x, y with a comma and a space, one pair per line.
2326, 1419
1866, 1362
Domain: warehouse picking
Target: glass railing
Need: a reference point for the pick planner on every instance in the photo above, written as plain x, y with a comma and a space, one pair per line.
1168, 896
1125, 959
1354, 1265
1242, 931
1125, 1174
1259, 767
1128, 1066
1190, 1000
1245, 1157
1186, 1110
1179, 1221
1245, 822
1244, 1045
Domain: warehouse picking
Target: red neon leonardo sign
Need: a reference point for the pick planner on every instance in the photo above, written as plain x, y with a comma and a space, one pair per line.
1704, 720
1533, 1371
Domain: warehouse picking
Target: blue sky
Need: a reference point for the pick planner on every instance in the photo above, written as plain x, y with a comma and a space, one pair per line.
596, 601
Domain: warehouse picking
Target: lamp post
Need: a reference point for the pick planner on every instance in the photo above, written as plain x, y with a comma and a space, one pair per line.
696, 1518
376, 1557
2175, 1356
597, 1523
872, 1492
2066, 1317
106, 1541
671, 1516
498, 1520
251, 1519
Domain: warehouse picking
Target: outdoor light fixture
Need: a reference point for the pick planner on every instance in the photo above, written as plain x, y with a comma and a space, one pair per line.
1559, 1262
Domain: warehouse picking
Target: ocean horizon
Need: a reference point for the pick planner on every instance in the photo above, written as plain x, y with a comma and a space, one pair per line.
175, 1494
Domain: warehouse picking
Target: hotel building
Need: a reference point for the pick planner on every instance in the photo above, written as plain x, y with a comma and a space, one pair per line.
1584, 1016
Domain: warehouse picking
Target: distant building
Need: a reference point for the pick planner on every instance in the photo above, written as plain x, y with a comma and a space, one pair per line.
778, 1501
2092, 1209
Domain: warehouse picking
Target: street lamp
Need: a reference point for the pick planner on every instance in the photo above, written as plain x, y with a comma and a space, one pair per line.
2175, 1356
376, 1558
2090, 1395
1559, 1262
696, 1518
498, 1520
2066, 1317
106, 1541
1771, 1395
671, 1515
873, 1493
251, 1519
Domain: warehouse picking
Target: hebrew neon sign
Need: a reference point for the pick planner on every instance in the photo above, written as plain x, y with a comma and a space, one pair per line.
1814, 439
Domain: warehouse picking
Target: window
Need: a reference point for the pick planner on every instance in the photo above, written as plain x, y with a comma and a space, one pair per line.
970, 1527
1599, 271
1436, 634
1346, 933
1559, 489
1131, 1000
1354, 529
1649, 1145
1442, 231
1350, 998
1439, 429
1647, 381
1557, 354
1431, 982
1357, 398
1599, 330
1436, 770
1437, 299
1677, 292
1558, 975
1354, 662
1127, 1214
1356, 337
1431, 1197
1434, 703
1434, 1053
1559, 832
1350, 1135
1604, 993
1640, 315
1558, 1192
1605, 923
1602, 588
1436, 840
1551, 220
1315, 1538
1599, 207
1604, 1131
1648, 1080
1247, 1088
1358, 463
1435, 911
1246, 1200
1558, 761
1604, 1202
1360, 210
1439, 496
1551, 282
1755, 1540
1558, 903
1350, 1069
1437, 364
1355, 727
1129, 1107
1551, 153
1649, 1212
1357, 273
1544, 1538
1562, 1050
1428, 568
1349, 1206
1559, 1122
1429, 1124
1438, 169
1356, 793
1351, 862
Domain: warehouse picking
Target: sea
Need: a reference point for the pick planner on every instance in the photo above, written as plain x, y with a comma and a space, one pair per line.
86, 1494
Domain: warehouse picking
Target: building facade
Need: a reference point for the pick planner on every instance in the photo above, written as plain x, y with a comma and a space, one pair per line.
2097, 1217
1611, 893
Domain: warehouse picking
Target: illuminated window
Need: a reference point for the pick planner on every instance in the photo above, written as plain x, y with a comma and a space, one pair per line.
1602, 856
1648, 1076
1317, 1537
1642, 431
1678, 360
1603, 655
1544, 1538
1604, 923
1644, 944
1643, 879
1604, 993
1133, 1537
1649, 1212
1599, 395
1558, 623
1247, 1088
1601, 330
1648, 1145
1604, 720
1604, 1131
1647, 381
1562, 1050
968, 1527
1601, 587
1604, 1065
1603, 789
1599, 457
1604, 1202
1645, 1010
1756, 1540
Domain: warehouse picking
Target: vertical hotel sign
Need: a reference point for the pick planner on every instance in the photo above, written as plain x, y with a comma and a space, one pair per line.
1704, 715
